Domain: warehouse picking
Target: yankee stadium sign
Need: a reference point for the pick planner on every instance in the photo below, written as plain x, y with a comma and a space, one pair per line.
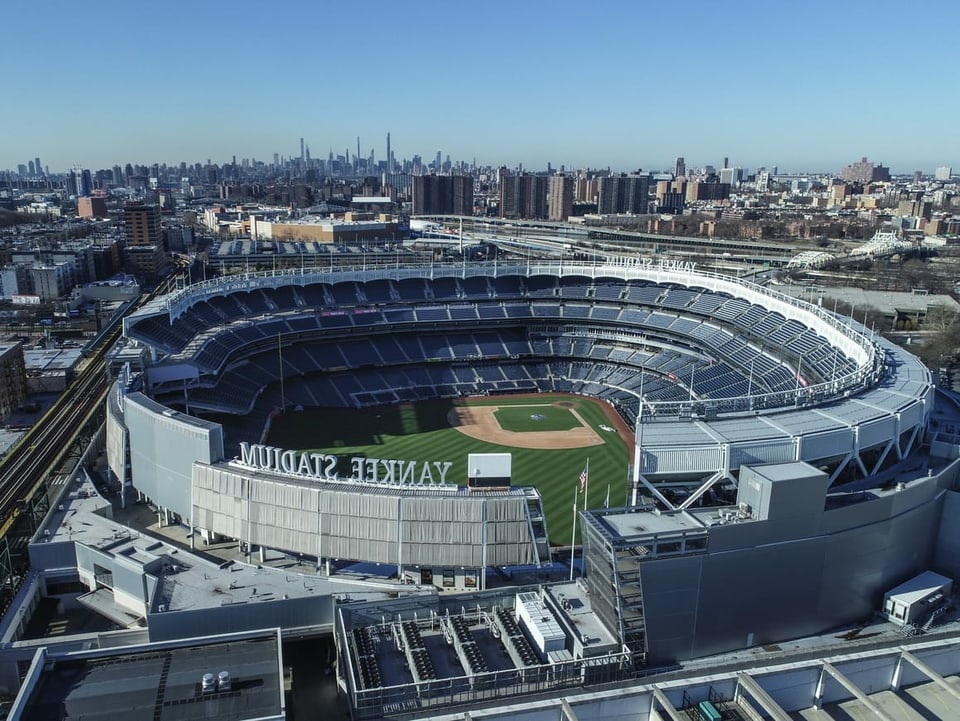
324, 467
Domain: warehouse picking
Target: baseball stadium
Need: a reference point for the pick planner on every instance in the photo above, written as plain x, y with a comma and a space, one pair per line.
735, 466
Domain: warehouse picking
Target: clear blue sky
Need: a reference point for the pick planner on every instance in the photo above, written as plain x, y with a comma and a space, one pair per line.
805, 86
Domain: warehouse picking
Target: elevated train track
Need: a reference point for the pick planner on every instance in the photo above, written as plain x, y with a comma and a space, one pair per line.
40, 453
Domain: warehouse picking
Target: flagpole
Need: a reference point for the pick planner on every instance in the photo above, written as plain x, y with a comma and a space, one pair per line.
573, 533
283, 399
586, 484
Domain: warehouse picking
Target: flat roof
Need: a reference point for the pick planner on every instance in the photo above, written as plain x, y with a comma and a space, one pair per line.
785, 471
918, 587
637, 522
575, 603
163, 684
186, 580
860, 298
52, 359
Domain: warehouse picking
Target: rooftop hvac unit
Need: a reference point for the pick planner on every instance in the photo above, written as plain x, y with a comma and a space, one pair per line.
207, 683
223, 681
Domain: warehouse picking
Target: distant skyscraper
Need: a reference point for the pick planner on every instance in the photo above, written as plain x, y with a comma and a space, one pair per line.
303, 155
943, 173
680, 168
389, 155
560, 206
39, 167
31, 169
726, 161
623, 194
442, 195
731, 176
84, 182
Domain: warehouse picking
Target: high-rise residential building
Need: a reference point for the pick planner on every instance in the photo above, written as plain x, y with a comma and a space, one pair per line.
671, 196
523, 195
141, 223
943, 173
880, 174
442, 195
560, 206
586, 189
144, 251
623, 194
680, 168
860, 172
38, 166
701, 191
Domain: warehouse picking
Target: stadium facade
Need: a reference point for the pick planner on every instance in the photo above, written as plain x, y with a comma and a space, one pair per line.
786, 470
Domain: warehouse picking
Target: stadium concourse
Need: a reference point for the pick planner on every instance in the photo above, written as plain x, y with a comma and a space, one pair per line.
789, 468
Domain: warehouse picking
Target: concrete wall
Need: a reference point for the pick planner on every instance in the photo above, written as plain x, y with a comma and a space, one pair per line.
283, 613
163, 448
756, 587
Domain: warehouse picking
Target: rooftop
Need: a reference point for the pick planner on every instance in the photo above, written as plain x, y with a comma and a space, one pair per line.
162, 683
190, 580
635, 522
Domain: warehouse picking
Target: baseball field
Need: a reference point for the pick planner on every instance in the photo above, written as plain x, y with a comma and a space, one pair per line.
551, 438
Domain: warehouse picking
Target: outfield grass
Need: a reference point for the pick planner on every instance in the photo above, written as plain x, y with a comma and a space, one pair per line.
420, 432
549, 418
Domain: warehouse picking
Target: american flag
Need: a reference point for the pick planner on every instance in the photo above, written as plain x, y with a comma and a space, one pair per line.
583, 479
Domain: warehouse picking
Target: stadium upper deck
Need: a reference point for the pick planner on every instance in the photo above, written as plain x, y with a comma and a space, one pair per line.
713, 371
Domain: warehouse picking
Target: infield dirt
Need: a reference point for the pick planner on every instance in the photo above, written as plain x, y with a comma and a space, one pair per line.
480, 422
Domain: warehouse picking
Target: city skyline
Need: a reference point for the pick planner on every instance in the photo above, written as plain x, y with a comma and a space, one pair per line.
807, 89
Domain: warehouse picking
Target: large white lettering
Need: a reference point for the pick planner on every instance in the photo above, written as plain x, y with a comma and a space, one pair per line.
322, 466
